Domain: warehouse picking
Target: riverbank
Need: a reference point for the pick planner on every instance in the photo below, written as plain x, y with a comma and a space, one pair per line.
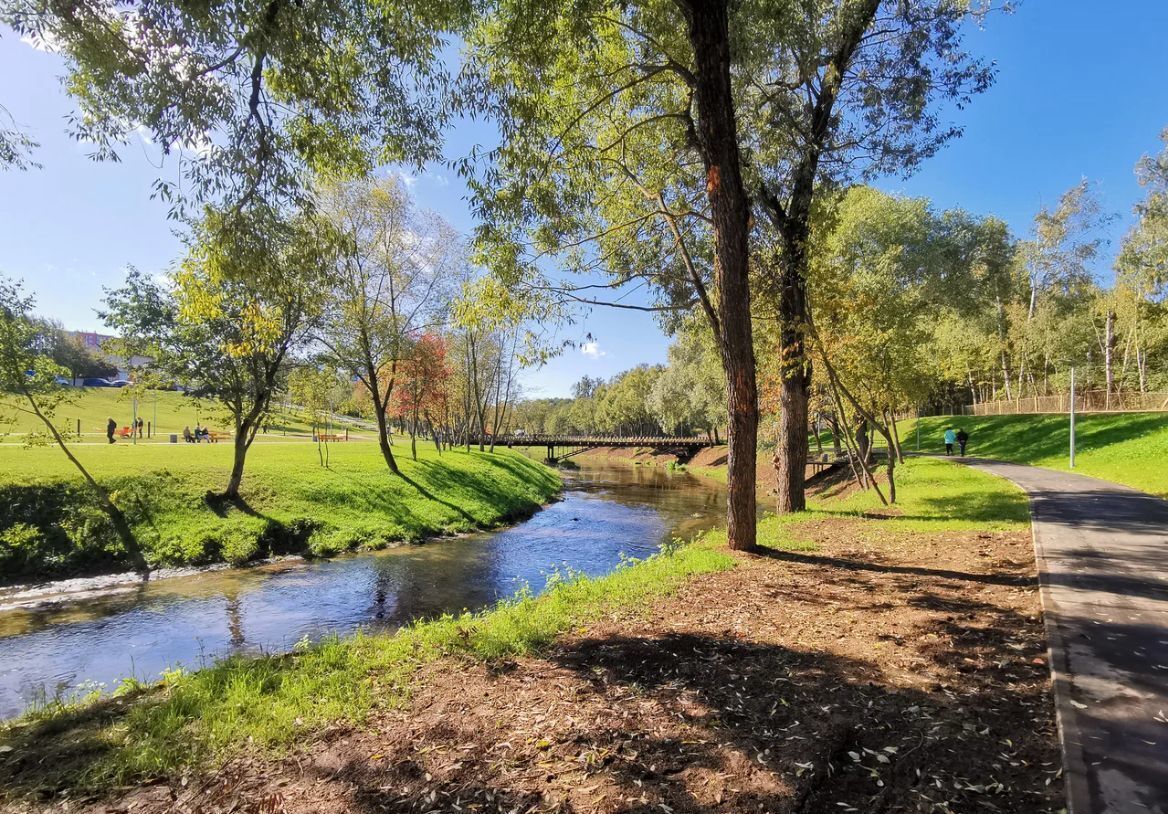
869, 660
51, 529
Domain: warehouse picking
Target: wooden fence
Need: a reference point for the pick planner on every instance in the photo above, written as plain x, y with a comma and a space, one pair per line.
1091, 401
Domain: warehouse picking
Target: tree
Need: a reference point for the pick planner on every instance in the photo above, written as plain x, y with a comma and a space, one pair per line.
1056, 281
225, 332
1142, 266
254, 93
620, 152
15, 144
849, 90
392, 280
68, 351
690, 394
319, 390
28, 384
633, 132
421, 393
488, 323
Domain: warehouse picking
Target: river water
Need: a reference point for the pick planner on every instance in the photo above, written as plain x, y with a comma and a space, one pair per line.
140, 630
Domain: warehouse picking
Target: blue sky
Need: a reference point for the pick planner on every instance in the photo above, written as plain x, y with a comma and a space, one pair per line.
1081, 92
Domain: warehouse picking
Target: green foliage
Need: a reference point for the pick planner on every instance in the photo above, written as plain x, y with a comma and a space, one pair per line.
255, 93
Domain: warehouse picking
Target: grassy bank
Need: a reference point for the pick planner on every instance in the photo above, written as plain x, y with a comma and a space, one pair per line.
50, 528
932, 495
193, 720
1126, 448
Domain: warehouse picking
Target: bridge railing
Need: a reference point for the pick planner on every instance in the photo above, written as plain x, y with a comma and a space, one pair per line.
598, 440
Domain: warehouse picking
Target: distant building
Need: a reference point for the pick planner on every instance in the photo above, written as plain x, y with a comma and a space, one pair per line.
96, 341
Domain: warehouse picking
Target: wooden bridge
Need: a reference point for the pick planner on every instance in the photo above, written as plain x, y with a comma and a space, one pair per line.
575, 444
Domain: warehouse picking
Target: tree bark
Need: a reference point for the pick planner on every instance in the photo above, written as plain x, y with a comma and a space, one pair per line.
238, 461
708, 27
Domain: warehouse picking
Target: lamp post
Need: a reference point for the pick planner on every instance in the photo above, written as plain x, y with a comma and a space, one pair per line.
1072, 412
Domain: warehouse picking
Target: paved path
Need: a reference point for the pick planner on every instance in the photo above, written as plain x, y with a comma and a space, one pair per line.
1103, 567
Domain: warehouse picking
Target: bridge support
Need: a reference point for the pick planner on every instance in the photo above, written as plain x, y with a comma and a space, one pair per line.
551, 453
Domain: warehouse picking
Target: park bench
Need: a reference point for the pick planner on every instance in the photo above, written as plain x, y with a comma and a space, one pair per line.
329, 437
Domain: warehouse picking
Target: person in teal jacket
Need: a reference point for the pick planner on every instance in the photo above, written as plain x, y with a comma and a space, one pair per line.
950, 440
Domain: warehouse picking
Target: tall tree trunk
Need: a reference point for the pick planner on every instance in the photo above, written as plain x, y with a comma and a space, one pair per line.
794, 385
717, 132
238, 460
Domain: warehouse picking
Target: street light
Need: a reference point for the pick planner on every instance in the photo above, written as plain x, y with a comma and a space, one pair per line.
1072, 411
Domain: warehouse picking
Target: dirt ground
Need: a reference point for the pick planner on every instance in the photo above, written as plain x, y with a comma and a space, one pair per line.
876, 673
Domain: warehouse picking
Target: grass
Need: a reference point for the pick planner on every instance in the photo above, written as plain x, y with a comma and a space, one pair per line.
193, 719
1127, 448
94, 406
291, 504
933, 496
190, 721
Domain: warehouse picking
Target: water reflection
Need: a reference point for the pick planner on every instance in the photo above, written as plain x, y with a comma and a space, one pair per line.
143, 629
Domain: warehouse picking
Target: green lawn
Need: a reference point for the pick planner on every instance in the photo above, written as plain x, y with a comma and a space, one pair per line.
168, 412
48, 526
1128, 448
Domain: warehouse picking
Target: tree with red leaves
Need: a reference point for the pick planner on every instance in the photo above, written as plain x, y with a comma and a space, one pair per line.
422, 391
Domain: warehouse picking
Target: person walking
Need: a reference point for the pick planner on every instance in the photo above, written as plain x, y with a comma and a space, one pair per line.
962, 440
950, 440
110, 428
141, 424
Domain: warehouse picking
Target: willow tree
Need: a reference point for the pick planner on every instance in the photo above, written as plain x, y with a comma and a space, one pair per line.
250, 96
638, 138
28, 384
1142, 266
620, 155
885, 273
840, 90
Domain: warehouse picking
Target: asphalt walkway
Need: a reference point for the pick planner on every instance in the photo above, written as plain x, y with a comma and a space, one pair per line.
1103, 567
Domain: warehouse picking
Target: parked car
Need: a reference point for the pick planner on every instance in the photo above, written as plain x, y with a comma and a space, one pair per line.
120, 383
95, 383
64, 381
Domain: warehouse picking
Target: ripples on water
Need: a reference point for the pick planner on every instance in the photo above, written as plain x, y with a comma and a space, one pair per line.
606, 511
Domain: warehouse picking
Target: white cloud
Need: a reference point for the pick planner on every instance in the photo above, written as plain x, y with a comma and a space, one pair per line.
407, 179
592, 350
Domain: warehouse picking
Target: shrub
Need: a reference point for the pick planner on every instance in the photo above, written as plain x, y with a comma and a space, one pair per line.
239, 544
20, 545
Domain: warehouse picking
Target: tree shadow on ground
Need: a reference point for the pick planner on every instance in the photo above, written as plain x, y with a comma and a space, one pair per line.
688, 722
852, 564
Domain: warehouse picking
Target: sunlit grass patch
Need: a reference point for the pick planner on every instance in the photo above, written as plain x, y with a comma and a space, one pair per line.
1126, 448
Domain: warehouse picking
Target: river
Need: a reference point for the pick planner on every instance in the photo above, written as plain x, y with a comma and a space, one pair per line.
61, 648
